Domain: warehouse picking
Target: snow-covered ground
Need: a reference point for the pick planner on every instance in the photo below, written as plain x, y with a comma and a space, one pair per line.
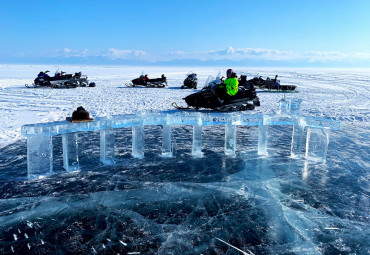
335, 93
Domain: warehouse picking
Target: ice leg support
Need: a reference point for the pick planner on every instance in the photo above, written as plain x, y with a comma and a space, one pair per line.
167, 141
70, 152
197, 141
230, 140
317, 144
107, 146
262, 140
138, 141
39, 156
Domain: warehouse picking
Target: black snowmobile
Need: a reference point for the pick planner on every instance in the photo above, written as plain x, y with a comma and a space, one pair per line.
191, 81
61, 80
144, 81
245, 99
272, 84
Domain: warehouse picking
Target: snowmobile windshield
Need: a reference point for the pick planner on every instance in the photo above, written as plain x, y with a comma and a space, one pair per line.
56, 72
212, 83
219, 75
209, 80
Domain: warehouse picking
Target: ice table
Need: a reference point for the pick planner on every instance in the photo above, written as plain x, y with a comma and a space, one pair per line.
40, 150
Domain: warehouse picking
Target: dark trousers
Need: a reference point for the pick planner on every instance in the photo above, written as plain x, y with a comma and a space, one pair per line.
221, 93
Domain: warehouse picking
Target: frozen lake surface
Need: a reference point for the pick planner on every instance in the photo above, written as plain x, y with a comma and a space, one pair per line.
185, 205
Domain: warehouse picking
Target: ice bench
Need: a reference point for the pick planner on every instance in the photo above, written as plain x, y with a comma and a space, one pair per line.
40, 150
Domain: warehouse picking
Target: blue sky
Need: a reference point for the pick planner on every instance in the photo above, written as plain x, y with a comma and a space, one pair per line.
251, 32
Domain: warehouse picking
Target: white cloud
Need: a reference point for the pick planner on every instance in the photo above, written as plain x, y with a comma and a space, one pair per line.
125, 54
324, 56
177, 53
245, 52
362, 55
111, 53
66, 52
231, 53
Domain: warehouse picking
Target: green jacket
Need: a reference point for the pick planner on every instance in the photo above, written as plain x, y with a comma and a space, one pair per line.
231, 86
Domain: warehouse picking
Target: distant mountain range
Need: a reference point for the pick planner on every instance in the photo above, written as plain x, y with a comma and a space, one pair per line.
99, 60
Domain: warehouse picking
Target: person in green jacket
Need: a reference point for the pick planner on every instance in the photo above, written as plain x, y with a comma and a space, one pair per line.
229, 87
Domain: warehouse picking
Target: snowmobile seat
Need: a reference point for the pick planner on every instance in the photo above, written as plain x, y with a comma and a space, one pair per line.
242, 94
243, 80
77, 75
56, 78
157, 80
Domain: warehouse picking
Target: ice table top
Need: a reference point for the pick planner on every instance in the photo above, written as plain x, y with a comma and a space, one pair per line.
177, 118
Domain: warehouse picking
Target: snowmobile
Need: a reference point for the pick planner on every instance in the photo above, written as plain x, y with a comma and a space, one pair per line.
271, 84
245, 99
191, 81
143, 80
61, 80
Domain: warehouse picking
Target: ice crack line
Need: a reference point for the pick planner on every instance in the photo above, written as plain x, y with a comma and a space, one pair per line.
236, 248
